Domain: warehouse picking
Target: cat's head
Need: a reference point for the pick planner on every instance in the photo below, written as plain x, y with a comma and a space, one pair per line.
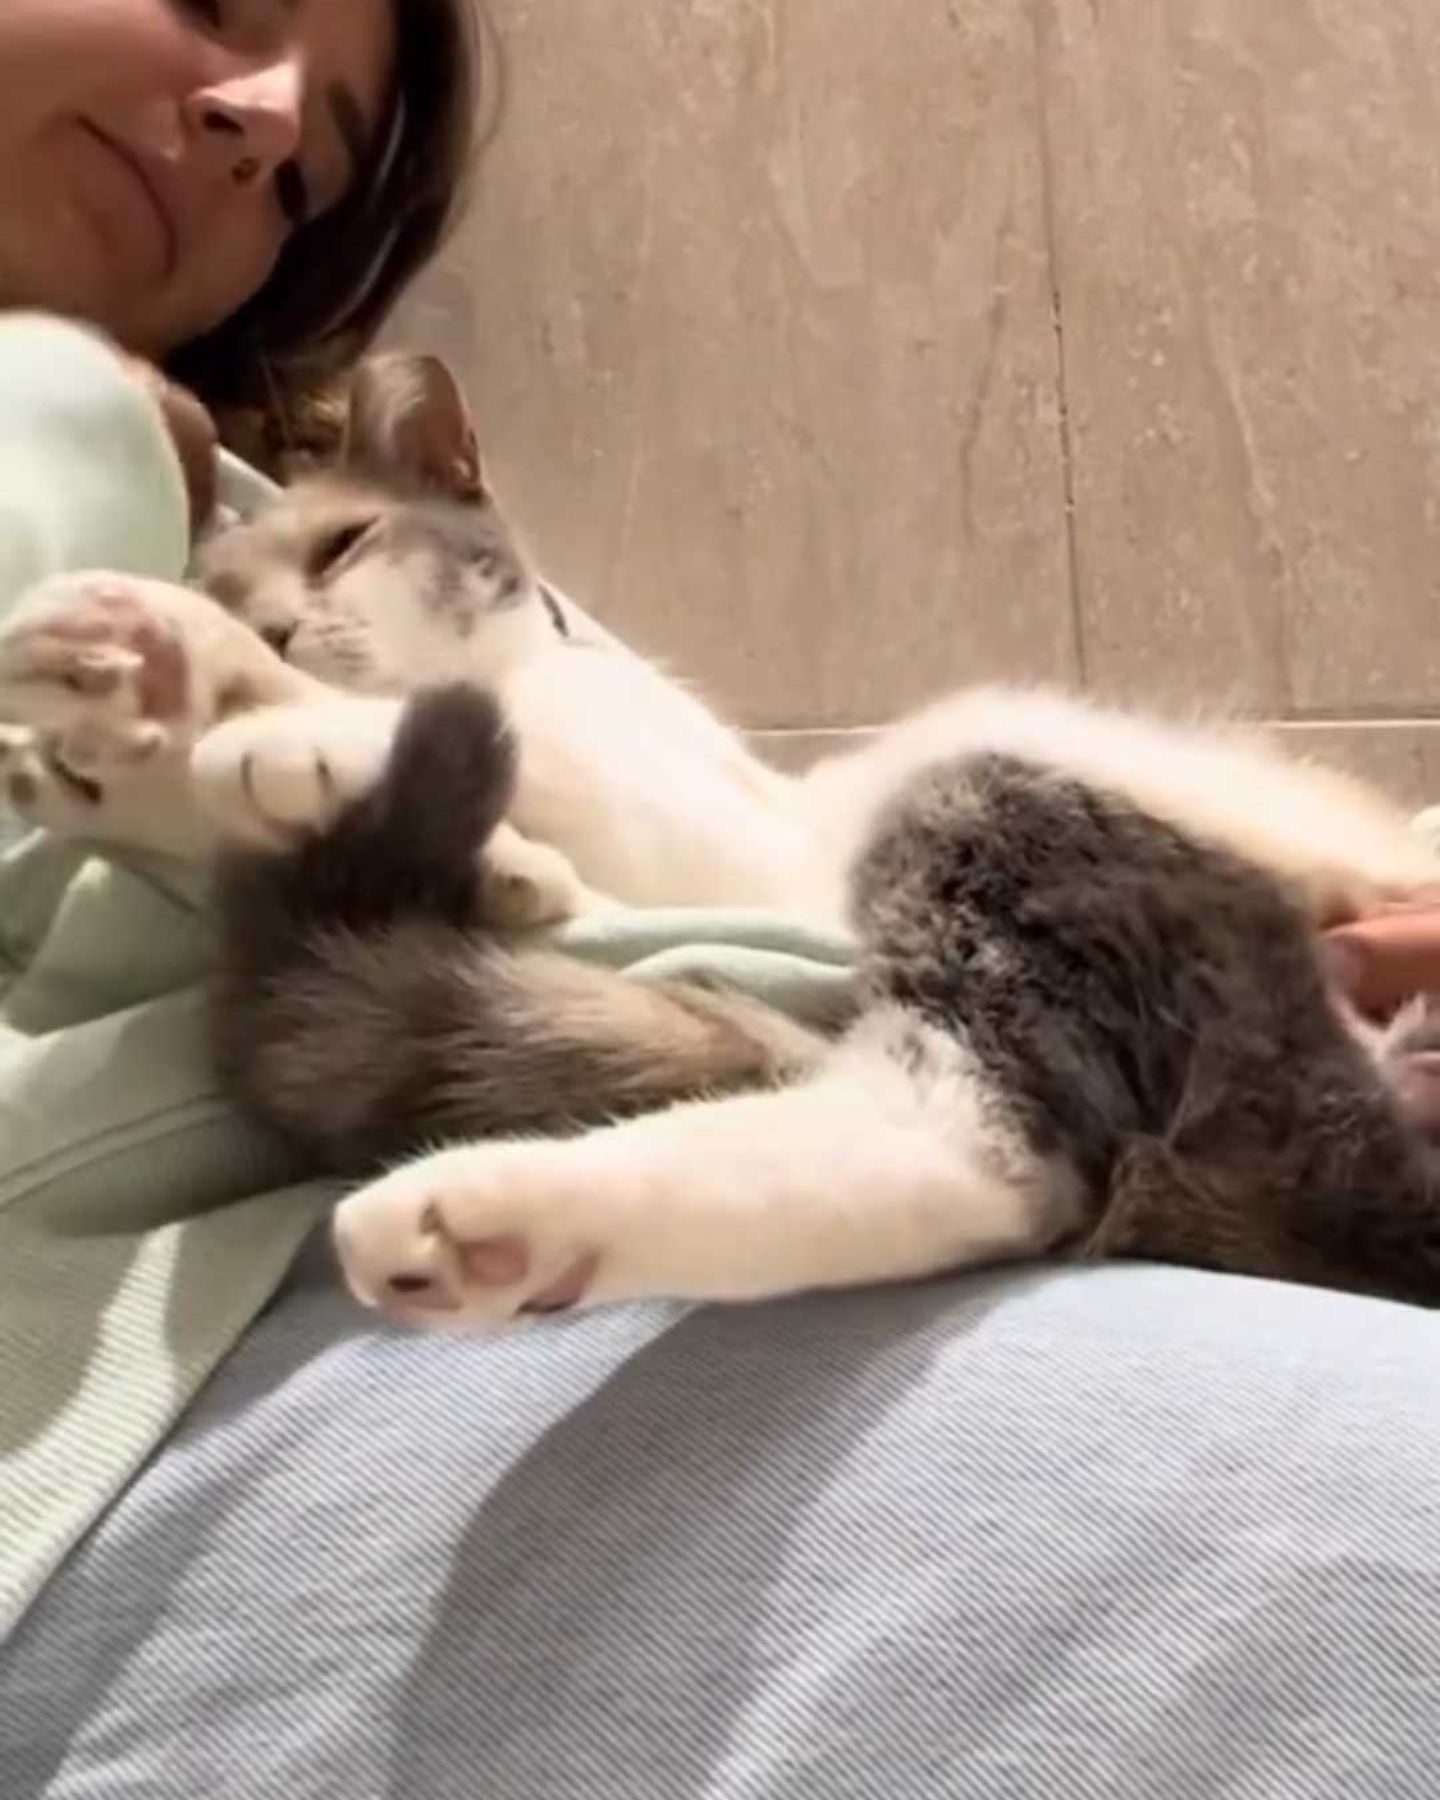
396, 568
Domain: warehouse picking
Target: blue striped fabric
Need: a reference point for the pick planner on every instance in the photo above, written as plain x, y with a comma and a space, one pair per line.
1125, 1532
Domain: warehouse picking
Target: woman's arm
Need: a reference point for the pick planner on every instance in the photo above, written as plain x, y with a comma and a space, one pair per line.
90, 476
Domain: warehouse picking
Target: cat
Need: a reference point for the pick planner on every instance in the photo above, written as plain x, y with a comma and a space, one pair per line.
394, 569
1068, 1035
363, 1007
171, 720
398, 569
1085, 1027
1082, 1031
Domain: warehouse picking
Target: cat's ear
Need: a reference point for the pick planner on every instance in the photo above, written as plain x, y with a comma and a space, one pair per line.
408, 423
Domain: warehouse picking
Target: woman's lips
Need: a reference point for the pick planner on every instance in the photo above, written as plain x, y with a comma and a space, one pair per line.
128, 205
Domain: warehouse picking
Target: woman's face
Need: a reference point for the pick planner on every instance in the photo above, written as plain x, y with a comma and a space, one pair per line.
155, 155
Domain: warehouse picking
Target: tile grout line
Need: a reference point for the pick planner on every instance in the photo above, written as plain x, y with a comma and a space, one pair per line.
1062, 371
1412, 719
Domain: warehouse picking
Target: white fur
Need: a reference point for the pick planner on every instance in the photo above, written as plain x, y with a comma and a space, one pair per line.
649, 795
1339, 842
871, 1171
880, 1167
400, 646
883, 1165
276, 770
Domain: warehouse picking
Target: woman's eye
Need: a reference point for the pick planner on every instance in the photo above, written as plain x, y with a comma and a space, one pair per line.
294, 193
334, 547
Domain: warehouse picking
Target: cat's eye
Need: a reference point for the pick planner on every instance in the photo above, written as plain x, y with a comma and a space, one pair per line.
332, 551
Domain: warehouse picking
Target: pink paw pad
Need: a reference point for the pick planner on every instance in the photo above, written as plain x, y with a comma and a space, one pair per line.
112, 639
495, 1262
569, 1290
500, 1262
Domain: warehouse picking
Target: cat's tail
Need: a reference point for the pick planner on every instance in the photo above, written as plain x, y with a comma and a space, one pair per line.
361, 1009
407, 849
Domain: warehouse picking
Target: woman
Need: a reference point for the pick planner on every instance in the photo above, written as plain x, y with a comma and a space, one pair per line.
237, 190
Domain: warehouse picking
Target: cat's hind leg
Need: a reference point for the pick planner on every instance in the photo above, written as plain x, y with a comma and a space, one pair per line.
362, 1007
46, 780
274, 774
273, 777
896, 1160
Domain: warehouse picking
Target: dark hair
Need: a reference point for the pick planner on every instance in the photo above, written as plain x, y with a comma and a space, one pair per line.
339, 277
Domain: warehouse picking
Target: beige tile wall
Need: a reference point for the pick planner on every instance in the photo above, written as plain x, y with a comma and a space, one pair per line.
841, 351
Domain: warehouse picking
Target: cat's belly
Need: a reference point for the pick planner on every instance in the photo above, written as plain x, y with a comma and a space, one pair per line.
653, 800
664, 846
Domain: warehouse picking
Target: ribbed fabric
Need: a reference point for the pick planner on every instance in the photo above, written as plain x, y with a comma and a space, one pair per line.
1104, 1534
139, 1232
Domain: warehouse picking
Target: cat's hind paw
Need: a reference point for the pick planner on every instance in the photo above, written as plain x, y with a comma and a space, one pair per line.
275, 775
482, 1236
39, 786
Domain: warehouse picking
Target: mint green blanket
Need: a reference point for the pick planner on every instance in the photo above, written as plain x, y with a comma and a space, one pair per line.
143, 1222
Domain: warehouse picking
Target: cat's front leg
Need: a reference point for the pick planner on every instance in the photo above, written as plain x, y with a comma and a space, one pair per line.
883, 1167
111, 679
144, 664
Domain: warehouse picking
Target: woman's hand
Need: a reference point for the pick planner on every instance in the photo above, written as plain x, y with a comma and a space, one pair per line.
1387, 958
192, 431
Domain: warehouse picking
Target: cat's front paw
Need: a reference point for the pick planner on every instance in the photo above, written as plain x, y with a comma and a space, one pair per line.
525, 885
150, 664
476, 1237
111, 653
271, 776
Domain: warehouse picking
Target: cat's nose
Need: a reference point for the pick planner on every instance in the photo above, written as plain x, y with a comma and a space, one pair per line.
278, 637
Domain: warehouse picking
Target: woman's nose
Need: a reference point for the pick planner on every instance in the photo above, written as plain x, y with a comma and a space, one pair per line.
251, 124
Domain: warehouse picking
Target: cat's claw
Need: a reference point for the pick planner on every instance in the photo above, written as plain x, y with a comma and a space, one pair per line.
42, 786
481, 1236
21, 771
